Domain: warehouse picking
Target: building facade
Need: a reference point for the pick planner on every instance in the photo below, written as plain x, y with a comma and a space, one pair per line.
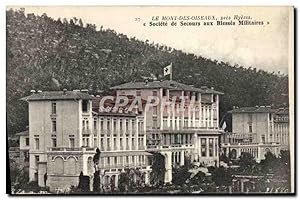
183, 123
257, 130
66, 128
64, 133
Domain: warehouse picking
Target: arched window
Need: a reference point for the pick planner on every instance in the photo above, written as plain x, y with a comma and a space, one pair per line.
70, 166
59, 165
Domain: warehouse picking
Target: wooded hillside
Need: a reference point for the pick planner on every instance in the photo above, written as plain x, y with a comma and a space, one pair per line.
47, 54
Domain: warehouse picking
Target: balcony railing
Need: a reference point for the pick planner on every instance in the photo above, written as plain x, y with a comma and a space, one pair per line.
68, 149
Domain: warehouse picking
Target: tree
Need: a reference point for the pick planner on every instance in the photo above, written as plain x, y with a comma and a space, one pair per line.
130, 180
269, 163
19, 177
97, 156
157, 174
246, 162
283, 166
181, 174
84, 183
96, 182
198, 179
222, 177
224, 158
124, 181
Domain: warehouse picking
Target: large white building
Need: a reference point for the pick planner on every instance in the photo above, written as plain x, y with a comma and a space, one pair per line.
66, 127
64, 132
190, 132
257, 130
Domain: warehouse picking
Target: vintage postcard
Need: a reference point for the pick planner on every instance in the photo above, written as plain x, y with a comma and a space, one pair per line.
150, 100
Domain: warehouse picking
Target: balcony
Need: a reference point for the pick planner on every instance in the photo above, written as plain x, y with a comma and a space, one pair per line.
171, 147
69, 149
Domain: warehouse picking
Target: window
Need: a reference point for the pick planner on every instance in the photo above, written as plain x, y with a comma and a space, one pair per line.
263, 139
197, 97
87, 124
127, 125
121, 143
108, 144
154, 93
127, 143
53, 125
214, 98
203, 147
132, 142
85, 105
53, 108
37, 143
115, 144
210, 147
154, 108
115, 124
185, 122
250, 128
83, 124
138, 93
37, 160
85, 140
95, 124
101, 124
54, 143
108, 124
95, 142
154, 122
27, 141
116, 160
101, 144
72, 142
121, 125
164, 92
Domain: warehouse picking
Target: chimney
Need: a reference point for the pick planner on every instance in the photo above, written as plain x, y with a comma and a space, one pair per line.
65, 91
32, 91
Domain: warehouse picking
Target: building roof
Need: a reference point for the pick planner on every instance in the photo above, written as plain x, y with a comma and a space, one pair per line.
282, 111
166, 84
260, 109
58, 95
23, 133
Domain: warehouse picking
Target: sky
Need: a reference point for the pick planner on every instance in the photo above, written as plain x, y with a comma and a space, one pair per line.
264, 47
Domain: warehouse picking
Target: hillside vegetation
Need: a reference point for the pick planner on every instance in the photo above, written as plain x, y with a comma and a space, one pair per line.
47, 54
